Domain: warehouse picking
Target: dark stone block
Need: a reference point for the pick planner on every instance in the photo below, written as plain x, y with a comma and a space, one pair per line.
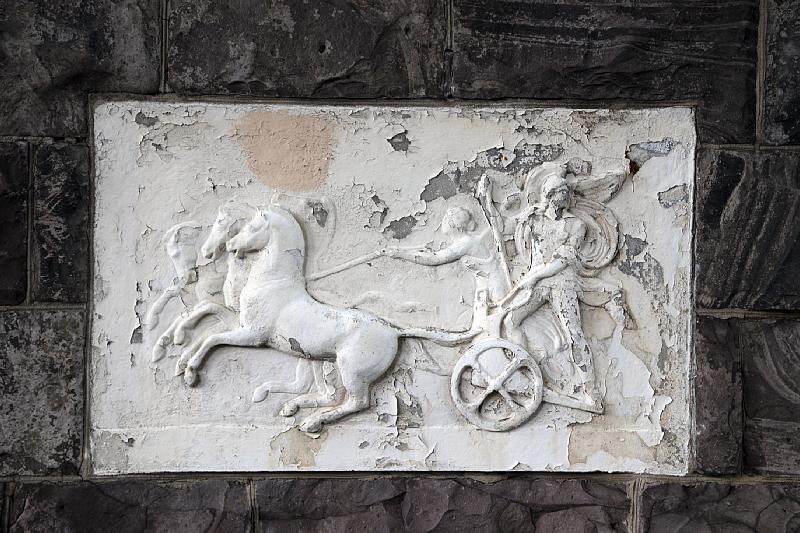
642, 51
720, 507
341, 48
41, 391
424, 504
54, 53
747, 231
771, 364
131, 506
61, 223
14, 221
783, 72
718, 397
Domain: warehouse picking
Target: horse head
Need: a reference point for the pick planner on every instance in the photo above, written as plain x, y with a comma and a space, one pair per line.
230, 219
272, 225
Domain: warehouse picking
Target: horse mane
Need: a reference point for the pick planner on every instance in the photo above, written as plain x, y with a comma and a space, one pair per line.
290, 229
237, 210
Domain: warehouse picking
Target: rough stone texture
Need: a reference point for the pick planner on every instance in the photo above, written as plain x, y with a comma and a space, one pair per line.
783, 72
343, 48
41, 392
654, 51
747, 229
54, 53
131, 506
409, 504
14, 221
718, 397
720, 507
61, 223
771, 353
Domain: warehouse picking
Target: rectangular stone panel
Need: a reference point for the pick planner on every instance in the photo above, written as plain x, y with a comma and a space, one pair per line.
748, 229
334, 49
61, 223
41, 392
56, 53
14, 189
338, 288
645, 51
425, 504
719, 507
782, 93
129, 505
771, 365
718, 396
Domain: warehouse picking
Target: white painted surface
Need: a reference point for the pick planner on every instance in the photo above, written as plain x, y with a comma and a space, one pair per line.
160, 164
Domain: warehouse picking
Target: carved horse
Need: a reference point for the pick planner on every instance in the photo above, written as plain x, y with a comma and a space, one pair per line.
276, 311
217, 291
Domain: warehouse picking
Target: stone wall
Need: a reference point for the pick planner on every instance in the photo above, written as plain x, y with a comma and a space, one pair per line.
738, 62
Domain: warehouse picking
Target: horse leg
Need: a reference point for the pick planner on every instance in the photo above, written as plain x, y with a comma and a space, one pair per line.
201, 310
320, 398
186, 354
160, 347
357, 369
236, 337
300, 384
356, 399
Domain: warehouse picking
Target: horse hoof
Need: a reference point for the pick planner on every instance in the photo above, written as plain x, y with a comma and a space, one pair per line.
190, 377
179, 368
311, 426
260, 394
289, 409
178, 337
158, 353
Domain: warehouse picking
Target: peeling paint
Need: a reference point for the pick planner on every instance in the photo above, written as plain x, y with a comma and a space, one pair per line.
360, 179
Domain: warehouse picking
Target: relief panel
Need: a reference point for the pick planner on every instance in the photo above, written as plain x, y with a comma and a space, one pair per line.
306, 287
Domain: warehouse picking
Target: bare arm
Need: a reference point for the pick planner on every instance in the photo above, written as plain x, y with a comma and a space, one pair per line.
423, 256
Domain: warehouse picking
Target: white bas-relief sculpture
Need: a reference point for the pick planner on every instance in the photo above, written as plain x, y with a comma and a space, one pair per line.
306, 293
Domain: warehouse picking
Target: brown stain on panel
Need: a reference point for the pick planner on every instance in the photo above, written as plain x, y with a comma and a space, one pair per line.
585, 441
285, 151
296, 448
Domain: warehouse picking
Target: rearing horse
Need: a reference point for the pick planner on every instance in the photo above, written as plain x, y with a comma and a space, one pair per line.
276, 311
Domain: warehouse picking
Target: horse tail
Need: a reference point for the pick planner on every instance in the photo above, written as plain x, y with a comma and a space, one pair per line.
443, 337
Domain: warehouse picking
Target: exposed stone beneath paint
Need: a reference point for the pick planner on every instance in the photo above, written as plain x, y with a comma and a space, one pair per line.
720, 507
419, 504
14, 222
61, 223
747, 229
782, 98
56, 53
588, 51
344, 48
130, 506
41, 392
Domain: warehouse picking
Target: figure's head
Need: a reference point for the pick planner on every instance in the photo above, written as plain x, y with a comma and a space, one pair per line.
230, 219
547, 185
457, 219
556, 192
253, 236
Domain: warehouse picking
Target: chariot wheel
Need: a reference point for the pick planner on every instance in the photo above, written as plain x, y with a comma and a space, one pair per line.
496, 385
